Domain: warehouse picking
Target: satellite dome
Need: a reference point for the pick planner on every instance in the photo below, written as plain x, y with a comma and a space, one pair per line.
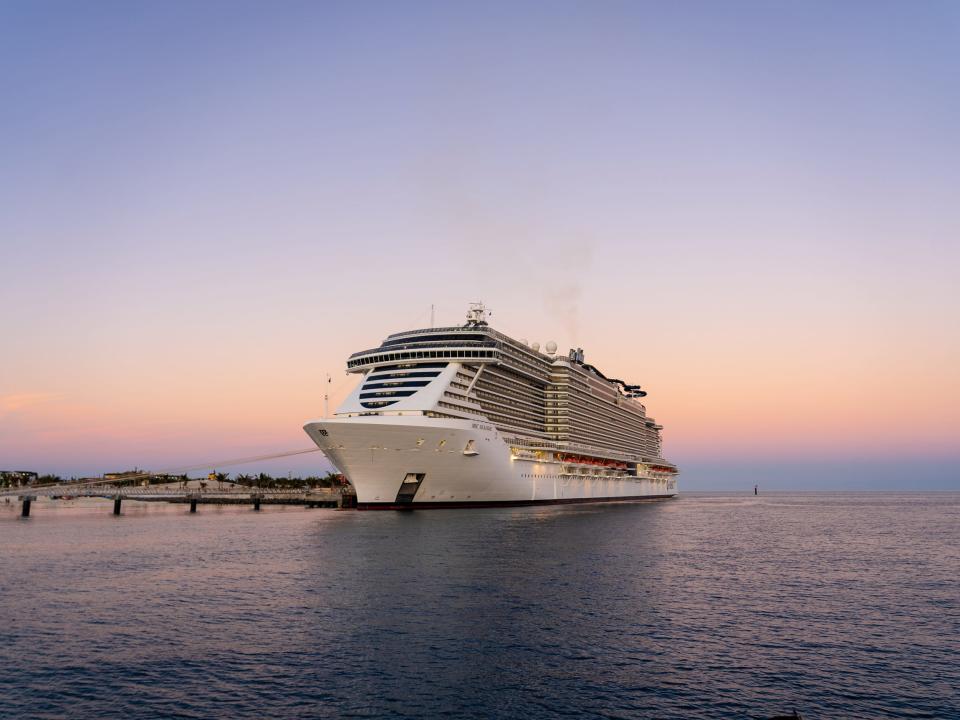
535, 347
523, 341
551, 348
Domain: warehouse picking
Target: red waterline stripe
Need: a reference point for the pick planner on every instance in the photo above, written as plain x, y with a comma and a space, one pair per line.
446, 505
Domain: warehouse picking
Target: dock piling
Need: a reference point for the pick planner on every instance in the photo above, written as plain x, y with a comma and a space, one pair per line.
256, 503
25, 509
193, 504
116, 504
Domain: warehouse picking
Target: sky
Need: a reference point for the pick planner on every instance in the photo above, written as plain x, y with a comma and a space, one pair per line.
750, 208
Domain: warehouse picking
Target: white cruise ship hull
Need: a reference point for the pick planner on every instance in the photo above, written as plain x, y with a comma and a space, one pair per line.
403, 462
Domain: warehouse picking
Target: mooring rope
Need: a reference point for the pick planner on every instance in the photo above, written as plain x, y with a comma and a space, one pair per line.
236, 461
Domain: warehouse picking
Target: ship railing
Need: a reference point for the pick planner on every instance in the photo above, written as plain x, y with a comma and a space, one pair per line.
570, 448
580, 448
461, 328
452, 345
429, 331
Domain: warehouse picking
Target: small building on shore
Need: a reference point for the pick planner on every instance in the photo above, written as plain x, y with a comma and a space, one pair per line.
17, 478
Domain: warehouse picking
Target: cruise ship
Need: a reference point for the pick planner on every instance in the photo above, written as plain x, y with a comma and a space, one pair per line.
467, 416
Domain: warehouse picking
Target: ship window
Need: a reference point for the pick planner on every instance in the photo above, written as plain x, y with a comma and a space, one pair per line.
460, 337
396, 384
378, 403
387, 393
404, 366
390, 376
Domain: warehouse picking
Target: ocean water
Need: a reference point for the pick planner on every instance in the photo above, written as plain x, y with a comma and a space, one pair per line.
706, 606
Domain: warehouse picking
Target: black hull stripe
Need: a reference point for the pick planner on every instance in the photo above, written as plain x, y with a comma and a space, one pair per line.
502, 503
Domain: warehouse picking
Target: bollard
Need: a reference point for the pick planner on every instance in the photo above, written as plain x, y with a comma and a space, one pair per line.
116, 505
256, 503
193, 505
25, 510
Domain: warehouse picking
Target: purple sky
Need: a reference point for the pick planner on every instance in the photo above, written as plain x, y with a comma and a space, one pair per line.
753, 209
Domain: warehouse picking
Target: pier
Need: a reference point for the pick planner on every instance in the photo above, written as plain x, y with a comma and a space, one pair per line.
341, 498
178, 488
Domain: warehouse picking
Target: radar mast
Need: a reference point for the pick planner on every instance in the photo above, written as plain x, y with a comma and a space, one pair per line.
477, 315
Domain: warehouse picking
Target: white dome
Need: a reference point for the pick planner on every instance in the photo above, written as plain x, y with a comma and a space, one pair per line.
535, 346
551, 348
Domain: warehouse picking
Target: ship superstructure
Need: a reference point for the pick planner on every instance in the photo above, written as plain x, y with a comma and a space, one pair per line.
466, 415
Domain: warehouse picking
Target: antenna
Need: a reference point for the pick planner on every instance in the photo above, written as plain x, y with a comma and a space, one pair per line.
431, 316
326, 399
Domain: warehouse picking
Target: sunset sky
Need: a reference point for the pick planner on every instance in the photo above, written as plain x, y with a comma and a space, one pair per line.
752, 209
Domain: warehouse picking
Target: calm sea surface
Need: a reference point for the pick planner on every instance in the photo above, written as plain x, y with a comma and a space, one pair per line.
707, 606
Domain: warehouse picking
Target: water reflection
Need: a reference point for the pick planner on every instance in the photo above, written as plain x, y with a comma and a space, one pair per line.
710, 606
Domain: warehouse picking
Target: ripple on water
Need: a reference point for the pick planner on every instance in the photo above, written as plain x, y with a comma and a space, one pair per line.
713, 606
